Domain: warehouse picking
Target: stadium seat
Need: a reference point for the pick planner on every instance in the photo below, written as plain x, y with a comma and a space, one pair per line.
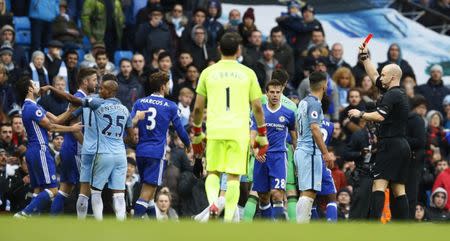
81, 54
23, 37
22, 23
87, 46
120, 54
8, 5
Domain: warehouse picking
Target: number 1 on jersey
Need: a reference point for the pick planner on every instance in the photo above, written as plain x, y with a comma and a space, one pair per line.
228, 98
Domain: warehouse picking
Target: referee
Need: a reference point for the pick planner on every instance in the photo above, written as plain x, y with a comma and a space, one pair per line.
393, 155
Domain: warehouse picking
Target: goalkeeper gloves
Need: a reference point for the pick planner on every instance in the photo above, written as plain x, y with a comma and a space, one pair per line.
261, 142
198, 140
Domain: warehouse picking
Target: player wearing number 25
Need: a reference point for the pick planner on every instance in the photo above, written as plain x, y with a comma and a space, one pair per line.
153, 115
228, 87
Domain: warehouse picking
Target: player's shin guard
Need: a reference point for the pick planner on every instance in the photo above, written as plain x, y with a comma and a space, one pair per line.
402, 206
82, 206
331, 212
97, 204
212, 187
278, 210
140, 208
231, 199
250, 208
291, 208
119, 206
266, 211
58, 203
304, 206
39, 202
376, 205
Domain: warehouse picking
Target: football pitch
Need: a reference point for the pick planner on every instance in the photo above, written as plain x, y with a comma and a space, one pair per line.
71, 229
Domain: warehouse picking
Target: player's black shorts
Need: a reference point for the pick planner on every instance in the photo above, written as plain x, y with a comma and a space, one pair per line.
392, 160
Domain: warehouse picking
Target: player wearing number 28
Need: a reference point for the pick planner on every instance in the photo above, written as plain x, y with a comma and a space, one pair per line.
228, 87
153, 115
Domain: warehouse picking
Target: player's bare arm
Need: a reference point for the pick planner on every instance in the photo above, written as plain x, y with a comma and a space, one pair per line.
61, 119
199, 108
368, 65
72, 99
47, 124
294, 138
129, 139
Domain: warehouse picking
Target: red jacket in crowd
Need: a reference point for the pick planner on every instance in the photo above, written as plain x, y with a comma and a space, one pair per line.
443, 180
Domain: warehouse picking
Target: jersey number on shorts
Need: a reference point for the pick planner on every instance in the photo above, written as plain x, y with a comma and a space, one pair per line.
228, 97
280, 183
105, 131
151, 118
324, 134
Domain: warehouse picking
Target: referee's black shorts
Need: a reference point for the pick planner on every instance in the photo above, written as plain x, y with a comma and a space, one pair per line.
392, 160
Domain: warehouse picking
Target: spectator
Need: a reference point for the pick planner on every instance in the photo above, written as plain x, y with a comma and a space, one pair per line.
102, 21
9, 35
200, 52
140, 70
344, 198
42, 13
251, 52
19, 189
332, 93
6, 142
163, 210
53, 61
420, 215
409, 84
306, 66
213, 26
55, 146
446, 104
154, 66
283, 52
6, 18
436, 212
143, 15
198, 19
443, 181
89, 58
234, 19
184, 104
7, 59
266, 64
37, 69
64, 29
336, 59
102, 64
177, 19
53, 103
184, 60
369, 91
437, 146
7, 97
394, 56
359, 71
71, 63
130, 89
434, 90
344, 80
298, 30
351, 125
318, 41
153, 34
132, 186
190, 81
165, 65
19, 137
248, 25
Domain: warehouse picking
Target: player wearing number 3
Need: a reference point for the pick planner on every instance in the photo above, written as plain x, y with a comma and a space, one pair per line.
153, 115
228, 87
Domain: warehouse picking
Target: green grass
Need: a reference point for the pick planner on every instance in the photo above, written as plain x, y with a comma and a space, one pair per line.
69, 228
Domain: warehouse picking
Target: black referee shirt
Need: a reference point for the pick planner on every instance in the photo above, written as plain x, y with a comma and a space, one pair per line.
394, 107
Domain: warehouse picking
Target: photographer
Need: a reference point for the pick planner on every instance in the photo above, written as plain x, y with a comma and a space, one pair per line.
360, 149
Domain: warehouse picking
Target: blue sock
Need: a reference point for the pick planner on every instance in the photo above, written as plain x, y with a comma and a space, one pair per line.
266, 211
38, 203
278, 211
314, 213
332, 212
140, 208
58, 203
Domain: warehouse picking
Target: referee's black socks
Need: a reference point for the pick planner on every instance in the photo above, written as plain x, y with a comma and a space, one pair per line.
376, 205
402, 206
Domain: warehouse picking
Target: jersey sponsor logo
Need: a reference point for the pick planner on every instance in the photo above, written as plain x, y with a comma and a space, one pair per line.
179, 112
282, 119
38, 113
314, 114
53, 177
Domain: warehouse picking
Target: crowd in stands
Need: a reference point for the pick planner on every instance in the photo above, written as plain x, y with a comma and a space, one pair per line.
134, 38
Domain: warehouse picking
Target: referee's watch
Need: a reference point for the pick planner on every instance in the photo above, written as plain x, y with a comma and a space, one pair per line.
361, 114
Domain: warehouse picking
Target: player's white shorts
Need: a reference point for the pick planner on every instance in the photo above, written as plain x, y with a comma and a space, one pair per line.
309, 169
111, 169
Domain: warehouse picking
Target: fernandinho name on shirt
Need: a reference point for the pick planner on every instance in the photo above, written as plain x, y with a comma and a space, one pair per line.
108, 108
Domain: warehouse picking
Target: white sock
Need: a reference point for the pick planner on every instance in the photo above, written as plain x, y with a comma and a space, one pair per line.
203, 217
97, 204
304, 206
119, 206
241, 212
82, 206
220, 202
237, 216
